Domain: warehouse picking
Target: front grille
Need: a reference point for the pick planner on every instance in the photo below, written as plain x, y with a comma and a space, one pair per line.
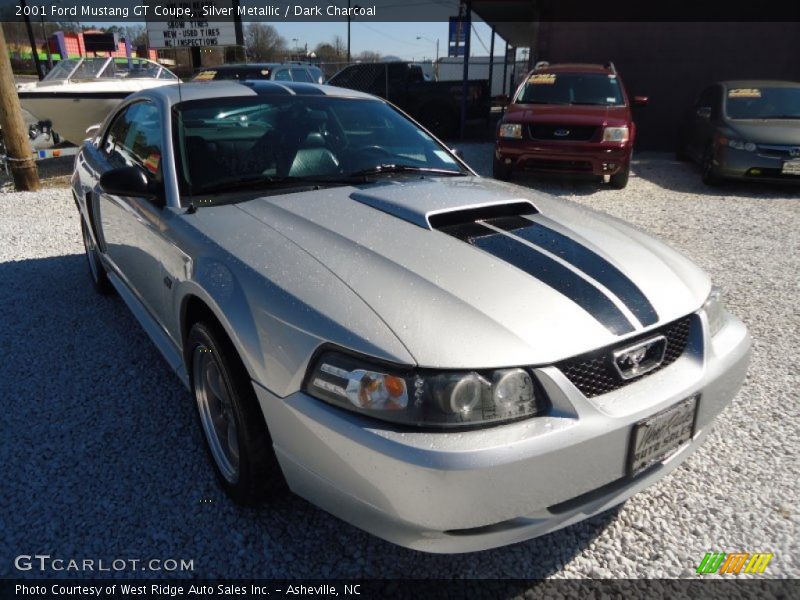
566, 133
594, 373
776, 151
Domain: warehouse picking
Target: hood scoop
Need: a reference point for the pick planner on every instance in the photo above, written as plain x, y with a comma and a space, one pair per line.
442, 205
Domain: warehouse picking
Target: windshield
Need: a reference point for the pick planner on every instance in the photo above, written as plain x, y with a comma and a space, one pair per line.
132, 68
62, 69
87, 68
763, 103
118, 68
223, 143
594, 89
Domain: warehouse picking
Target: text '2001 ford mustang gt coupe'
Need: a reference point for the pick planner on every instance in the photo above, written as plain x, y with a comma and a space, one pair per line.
449, 362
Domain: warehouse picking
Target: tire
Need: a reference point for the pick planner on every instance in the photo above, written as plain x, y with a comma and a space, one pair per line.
619, 180
708, 172
244, 460
96, 269
500, 170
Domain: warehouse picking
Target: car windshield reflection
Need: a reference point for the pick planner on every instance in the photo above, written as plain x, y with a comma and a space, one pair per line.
278, 140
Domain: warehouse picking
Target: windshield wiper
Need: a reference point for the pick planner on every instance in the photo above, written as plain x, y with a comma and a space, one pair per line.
781, 117
391, 168
242, 183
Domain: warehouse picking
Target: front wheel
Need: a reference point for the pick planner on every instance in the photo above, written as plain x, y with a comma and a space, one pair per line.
709, 172
500, 170
96, 269
236, 435
620, 179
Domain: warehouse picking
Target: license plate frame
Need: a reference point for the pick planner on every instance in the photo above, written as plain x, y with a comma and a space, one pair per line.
672, 437
791, 167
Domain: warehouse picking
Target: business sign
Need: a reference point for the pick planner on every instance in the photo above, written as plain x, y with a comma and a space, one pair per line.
100, 42
195, 33
458, 36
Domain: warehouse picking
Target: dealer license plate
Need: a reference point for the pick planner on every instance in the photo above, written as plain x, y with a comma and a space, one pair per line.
658, 437
791, 167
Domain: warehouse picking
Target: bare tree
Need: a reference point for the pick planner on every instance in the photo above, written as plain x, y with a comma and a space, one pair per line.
339, 47
263, 43
136, 35
368, 56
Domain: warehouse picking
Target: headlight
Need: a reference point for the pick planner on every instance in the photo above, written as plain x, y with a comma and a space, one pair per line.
742, 145
715, 311
615, 134
425, 397
511, 130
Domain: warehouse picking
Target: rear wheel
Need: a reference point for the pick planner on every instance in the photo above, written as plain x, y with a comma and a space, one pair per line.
500, 170
236, 435
96, 269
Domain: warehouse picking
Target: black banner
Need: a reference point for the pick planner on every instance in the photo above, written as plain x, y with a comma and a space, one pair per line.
492, 11
421, 589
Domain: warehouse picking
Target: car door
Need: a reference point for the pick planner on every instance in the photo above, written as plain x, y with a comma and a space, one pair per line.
132, 226
704, 117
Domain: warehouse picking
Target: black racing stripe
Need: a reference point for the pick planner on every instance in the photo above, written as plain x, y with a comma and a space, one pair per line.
548, 271
591, 263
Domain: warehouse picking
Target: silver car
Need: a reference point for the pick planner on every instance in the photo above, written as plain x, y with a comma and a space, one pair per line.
449, 362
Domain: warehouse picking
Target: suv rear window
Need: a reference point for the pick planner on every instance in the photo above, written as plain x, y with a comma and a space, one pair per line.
592, 89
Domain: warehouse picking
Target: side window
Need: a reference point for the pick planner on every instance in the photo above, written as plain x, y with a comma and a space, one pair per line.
283, 75
299, 74
134, 138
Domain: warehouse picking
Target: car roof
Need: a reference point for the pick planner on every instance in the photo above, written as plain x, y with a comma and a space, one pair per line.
749, 83
183, 92
574, 68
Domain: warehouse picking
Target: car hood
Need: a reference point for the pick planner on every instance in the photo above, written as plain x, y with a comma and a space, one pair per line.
574, 114
768, 131
454, 304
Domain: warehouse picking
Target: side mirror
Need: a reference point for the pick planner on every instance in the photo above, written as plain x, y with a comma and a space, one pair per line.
704, 112
92, 130
640, 100
127, 181
458, 152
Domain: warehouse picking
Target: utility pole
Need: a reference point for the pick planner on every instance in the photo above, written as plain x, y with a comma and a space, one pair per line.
47, 47
32, 40
15, 133
467, 23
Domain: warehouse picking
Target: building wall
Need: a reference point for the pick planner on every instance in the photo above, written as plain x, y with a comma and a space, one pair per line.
672, 62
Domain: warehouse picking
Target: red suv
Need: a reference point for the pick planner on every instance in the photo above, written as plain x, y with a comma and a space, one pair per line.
568, 118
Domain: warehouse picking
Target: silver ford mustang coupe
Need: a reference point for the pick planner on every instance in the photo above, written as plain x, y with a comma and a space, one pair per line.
449, 362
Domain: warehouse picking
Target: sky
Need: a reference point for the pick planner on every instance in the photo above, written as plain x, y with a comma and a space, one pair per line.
395, 39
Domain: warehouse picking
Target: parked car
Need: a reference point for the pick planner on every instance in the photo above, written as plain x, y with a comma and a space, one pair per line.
569, 118
745, 130
449, 362
435, 104
272, 71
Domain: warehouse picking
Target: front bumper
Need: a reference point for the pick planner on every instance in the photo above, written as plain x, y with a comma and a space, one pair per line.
473, 490
757, 166
591, 158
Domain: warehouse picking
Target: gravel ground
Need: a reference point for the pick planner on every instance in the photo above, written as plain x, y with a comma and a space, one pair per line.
102, 457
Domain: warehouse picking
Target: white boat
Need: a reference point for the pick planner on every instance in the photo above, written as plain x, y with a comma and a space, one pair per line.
80, 92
